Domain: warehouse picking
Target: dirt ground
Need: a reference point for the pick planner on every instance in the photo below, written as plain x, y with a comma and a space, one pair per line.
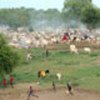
19, 93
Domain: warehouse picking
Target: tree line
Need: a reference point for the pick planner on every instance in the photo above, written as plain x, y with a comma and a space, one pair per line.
17, 17
78, 10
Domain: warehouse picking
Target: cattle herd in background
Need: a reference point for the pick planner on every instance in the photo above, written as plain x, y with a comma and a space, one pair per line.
41, 39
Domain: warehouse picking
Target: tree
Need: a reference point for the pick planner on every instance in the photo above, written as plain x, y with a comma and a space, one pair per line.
90, 16
98, 17
8, 57
73, 8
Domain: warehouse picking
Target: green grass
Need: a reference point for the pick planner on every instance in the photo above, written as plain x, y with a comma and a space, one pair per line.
82, 70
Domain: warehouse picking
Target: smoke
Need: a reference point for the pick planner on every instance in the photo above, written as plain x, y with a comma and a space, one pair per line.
39, 20
46, 21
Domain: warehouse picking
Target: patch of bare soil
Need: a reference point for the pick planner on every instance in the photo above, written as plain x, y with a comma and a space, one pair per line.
20, 93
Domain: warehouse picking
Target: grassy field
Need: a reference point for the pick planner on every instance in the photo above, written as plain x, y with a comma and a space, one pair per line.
81, 70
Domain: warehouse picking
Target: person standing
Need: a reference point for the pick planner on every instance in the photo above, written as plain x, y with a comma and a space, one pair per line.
53, 86
65, 37
4, 82
47, 52
11, 81
69, 88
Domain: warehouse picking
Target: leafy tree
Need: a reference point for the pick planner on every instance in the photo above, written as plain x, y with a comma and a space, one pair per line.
90, 16
73, 8
98, 17
14, 17
8, 57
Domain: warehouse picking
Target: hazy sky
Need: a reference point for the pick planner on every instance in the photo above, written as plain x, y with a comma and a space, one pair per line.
37, 4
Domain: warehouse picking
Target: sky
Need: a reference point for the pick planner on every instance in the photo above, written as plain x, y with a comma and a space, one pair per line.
37, 4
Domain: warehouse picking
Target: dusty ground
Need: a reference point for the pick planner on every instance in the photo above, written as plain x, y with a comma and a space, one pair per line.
20, 93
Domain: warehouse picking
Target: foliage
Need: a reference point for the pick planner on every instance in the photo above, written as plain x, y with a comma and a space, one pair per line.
73, 12
73, 8
8, 57
82, 11
20, 17
90, 16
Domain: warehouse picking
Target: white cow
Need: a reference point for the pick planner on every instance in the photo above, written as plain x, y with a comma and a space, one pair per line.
73, 49
87, 49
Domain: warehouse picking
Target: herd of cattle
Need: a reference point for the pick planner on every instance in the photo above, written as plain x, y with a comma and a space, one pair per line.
42, 39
